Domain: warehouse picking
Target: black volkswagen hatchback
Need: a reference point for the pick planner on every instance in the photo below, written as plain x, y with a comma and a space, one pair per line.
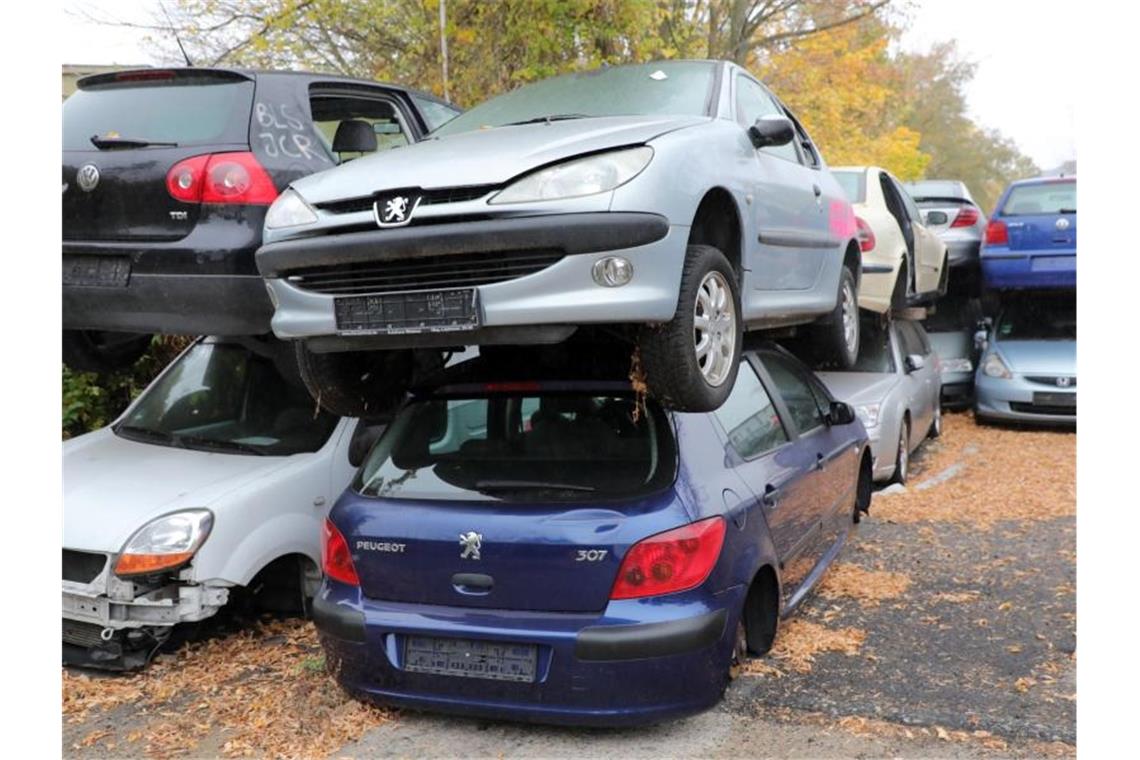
167, 175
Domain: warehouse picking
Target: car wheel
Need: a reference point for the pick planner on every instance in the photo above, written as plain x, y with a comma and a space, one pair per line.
690, 362
902, 454
936, 422
102, 351
355, 383
837, 339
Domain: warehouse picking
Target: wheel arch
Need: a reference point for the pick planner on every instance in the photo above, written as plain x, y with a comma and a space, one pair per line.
717, 222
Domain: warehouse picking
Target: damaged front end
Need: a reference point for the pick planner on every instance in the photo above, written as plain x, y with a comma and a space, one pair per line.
115, 623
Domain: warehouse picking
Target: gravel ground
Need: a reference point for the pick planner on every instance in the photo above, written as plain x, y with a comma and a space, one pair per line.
946, 629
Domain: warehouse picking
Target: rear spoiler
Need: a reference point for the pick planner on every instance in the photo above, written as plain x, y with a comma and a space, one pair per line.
160, 77
940, 199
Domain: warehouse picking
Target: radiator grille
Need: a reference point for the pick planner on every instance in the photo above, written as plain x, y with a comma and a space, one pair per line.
81, 633
429, 198
1051, 380
1026, 408
82, 567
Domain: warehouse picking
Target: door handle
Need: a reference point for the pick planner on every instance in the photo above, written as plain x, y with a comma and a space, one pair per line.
472, 583
817, 190
771, 496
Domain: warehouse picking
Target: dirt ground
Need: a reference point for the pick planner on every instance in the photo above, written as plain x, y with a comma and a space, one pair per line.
946, 629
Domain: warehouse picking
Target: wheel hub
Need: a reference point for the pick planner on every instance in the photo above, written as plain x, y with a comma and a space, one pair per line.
714, 328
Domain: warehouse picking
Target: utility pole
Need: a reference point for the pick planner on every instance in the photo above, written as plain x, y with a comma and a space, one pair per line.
443, 46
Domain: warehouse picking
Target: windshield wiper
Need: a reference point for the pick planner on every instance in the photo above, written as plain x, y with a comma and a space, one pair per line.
188, 441
529, 485
107, 143
134, 431
548, 118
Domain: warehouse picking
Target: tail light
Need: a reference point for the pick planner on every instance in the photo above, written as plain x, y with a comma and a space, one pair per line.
676, 560
336, 559
967, 217
997, 233
221, 178
865, 235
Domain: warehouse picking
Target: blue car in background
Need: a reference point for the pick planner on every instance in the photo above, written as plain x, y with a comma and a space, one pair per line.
568, 552
1031, 238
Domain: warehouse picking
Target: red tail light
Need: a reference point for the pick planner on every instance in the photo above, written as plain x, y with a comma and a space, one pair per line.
221, 178
865, 235
676, 560
336, 559
997, 233
967, 217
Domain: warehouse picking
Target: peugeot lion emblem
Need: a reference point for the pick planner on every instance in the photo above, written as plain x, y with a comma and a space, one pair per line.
1064, 382
394, 210
471, 543
1062, 223
87, 177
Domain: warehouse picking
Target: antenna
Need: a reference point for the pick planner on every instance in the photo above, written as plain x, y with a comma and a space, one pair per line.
176, 37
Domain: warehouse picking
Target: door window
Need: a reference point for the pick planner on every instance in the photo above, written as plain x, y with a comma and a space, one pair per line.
908, 202
796, 391
911, 341
752, 102
331, 111
749, 418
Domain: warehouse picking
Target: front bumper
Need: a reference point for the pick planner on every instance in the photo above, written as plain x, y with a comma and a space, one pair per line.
1012, 401
636, 662
882, 454
957, 389
1031, 270
562, 294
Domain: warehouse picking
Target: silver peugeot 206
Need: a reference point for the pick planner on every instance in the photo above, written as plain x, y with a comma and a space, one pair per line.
671, 205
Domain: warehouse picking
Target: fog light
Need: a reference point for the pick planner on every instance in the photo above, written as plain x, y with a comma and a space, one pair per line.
612, 271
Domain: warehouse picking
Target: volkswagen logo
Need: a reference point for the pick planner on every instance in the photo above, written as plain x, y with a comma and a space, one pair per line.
395, 209
1062, 223
1064, 382
87, 177
471, 542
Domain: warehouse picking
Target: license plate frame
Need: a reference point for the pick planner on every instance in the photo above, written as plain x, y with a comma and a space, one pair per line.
471, 658
408, 312
96, 271
1066, 400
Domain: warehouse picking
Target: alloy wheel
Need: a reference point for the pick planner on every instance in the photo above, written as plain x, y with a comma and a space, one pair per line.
850, 320
904, 454
714, 328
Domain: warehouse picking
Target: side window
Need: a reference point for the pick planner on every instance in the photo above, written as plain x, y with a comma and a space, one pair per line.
807, 147
436, 114
357, 125
908, 202
749, 418
909, 339
796, 391
752, 102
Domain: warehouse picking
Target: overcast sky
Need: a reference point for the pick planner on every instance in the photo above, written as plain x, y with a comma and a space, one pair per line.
1023, 86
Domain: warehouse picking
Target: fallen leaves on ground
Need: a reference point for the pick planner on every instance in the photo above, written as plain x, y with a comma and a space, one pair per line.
871, 727
869, 587
256, 688
1008, 474
799, 641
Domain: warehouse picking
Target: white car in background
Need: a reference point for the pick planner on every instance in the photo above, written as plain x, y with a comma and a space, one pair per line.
904, 263
212, 487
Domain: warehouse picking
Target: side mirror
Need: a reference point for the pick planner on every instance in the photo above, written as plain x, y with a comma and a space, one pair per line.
771, 130
936, 217
840, 413
363, 439
914, 362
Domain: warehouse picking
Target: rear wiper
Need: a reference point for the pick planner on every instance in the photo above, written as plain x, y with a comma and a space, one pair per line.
107, 143
528, 485
141, 432
1067, 211
195, 440
548, 118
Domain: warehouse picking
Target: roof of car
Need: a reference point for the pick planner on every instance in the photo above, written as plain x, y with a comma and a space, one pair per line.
1045, 180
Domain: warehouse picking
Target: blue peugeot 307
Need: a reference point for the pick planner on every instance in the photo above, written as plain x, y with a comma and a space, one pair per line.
568, 552
1031, 239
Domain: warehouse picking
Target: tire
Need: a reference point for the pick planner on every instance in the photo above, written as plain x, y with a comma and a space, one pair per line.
102, 351
902, 454
355, 383
671, 353
837, 338
936, 423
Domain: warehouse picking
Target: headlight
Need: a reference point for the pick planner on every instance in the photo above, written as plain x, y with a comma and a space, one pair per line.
869, 414
957, 365
289, 210
583, 176
993, 366
165, 542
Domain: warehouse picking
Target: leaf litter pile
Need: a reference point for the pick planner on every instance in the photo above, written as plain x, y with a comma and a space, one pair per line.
262, 692
868, 587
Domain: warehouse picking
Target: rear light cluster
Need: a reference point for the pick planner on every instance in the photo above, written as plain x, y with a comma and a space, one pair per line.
865, 235
676, 560
336, 559
221, 178
967, 217
997, 233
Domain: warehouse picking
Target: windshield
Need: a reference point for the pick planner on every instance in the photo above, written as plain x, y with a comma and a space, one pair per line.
1044, 198
874, 351
184, 111
223, 397
1041, 318
852, 184
954, 313
665, 88
522, 447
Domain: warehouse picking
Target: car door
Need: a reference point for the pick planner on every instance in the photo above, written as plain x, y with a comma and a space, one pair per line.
928, 247
921, 383
793, 239
760, 447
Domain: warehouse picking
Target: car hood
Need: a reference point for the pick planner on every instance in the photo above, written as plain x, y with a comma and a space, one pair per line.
484, 157
859, 387
1045, 357
953, 345
112, 486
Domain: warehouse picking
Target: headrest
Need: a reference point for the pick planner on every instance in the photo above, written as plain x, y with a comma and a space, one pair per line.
354, 136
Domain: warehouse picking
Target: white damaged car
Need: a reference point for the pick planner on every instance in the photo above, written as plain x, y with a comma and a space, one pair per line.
210, 489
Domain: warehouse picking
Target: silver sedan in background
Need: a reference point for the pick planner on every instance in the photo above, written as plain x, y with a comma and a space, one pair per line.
949, 211
896, 391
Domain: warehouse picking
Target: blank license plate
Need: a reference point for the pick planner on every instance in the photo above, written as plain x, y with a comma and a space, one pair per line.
1052, 263
96, 271
494, 660
408, 313
1055, 399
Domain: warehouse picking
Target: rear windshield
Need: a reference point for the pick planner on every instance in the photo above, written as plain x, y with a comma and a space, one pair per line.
523, 447
937, 190
853, 185
1039, 318
182, 110
1045, 198
875, 351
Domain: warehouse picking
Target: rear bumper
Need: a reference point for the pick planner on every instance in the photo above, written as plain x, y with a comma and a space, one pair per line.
1012, 401
957, 390
1047, 270
636, 662
962, 252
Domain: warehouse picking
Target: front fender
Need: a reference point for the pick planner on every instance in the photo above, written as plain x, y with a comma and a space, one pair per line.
276, 537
